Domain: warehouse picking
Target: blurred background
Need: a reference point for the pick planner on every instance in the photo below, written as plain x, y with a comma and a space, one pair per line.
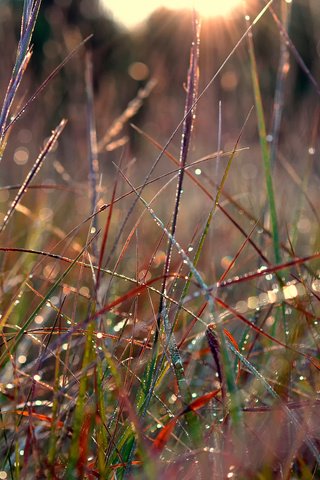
126, 55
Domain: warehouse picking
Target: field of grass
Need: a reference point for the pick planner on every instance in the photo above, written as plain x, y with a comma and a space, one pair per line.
159, 278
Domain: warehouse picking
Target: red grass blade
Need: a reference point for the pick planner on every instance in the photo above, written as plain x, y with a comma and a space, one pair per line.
38, 416
200, 402
163, 436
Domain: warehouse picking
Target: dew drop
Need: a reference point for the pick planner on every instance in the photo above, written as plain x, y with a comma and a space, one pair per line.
22, 359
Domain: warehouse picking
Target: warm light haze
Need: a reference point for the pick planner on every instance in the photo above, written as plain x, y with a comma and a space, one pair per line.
131, 14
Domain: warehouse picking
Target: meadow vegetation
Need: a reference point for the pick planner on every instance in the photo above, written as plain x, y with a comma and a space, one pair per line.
159, 222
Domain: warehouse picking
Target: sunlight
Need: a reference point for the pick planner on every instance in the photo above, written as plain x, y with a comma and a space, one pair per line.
133, 14
216, 7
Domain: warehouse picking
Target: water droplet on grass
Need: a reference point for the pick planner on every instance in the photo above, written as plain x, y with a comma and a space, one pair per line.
22, 359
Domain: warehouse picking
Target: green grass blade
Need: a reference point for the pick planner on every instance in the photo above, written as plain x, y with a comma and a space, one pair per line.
264, 150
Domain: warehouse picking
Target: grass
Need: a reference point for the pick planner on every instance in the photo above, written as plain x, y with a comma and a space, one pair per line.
150, 330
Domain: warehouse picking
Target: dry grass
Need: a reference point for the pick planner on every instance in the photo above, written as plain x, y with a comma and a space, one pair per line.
159, 293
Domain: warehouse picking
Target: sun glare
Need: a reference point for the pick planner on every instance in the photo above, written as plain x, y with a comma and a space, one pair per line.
136, 12
216, 7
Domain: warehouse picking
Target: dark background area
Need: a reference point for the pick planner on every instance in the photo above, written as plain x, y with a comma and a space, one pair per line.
162, 44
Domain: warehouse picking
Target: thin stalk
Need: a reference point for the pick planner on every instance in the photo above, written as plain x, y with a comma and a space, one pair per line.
29, 18
294, 51
44, 84
192, 86
102, 442
79, 414
33, 172
92, 147
283, 69
264, 150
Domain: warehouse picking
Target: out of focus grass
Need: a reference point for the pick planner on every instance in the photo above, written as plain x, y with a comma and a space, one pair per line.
159, 245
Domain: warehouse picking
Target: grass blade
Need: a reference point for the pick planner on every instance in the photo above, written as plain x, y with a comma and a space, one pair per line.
264, 150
